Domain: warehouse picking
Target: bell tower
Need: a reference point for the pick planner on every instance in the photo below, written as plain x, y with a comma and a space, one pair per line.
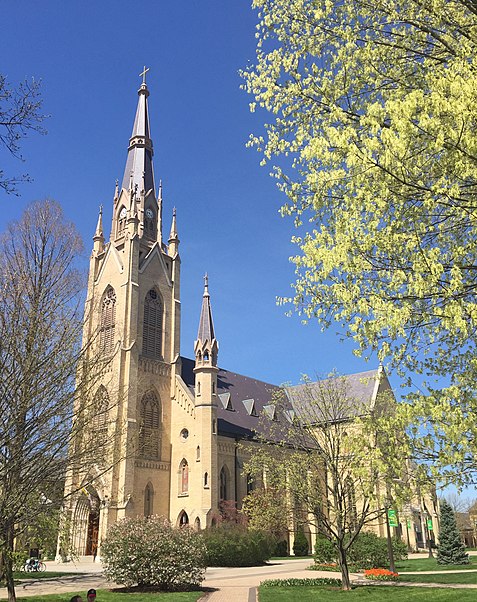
132, 324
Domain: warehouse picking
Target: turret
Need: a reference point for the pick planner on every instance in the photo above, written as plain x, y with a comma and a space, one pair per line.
206, 349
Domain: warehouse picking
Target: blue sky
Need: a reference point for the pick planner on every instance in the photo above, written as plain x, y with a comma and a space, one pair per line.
88, 55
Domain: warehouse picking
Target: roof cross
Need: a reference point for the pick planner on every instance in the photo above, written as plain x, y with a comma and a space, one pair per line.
143, 74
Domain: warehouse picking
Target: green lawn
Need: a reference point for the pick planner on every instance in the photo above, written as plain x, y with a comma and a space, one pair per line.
107, 596
374, 593
430, 564
441, 578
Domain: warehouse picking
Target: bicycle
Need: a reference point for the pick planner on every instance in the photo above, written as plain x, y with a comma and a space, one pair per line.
34, 565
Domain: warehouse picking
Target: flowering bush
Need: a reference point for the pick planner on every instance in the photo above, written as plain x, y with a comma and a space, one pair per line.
150, 552
381, 575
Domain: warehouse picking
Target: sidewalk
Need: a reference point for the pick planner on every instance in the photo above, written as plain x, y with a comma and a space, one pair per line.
229, 584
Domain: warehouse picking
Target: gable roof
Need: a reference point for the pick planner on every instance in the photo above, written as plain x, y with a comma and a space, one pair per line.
249, 399
350, 396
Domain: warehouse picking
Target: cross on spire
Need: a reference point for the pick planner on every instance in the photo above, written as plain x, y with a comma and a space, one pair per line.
143, 74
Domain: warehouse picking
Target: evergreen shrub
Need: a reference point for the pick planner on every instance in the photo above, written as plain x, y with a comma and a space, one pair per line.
325, 551
451, 549
234, 545
281, 548
150, 552
300, 545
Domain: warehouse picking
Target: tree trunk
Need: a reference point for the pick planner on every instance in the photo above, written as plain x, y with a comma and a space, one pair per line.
7, 561
343, 562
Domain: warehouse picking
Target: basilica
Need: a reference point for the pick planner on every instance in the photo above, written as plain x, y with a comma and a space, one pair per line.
176, 422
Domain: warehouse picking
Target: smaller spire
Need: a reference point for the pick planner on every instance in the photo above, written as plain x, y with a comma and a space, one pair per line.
159, 192
173, 237
116, 190
98, 237
206, 324
173, 234
99, 226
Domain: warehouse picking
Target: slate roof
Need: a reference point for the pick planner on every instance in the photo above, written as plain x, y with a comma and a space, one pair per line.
237, 392
248, 399
354, 395
139, 159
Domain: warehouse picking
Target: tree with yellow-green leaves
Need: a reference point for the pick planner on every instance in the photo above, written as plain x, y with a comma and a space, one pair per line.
327, 464
373, 138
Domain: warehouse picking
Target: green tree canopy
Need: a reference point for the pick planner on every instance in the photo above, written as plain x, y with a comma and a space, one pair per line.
374, 139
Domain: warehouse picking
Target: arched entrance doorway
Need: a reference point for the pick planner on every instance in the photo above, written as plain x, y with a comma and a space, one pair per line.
86, 523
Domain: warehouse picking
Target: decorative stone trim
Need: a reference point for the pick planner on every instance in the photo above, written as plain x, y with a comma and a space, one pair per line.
155, 464
154, 366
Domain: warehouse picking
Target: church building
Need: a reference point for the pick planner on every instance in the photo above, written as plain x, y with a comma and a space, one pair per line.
176, 422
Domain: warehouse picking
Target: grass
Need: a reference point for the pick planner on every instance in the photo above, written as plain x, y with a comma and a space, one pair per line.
104, 595
430, 564
370, 594
464, 577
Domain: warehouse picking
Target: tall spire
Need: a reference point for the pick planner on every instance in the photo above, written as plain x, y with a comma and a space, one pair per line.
206, 324
139, 166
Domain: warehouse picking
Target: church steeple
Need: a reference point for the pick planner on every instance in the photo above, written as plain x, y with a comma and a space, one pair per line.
139, 168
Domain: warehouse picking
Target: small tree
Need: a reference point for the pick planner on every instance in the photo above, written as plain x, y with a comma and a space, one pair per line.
327, 465
300, 544
40, 382
451, 549
150, 552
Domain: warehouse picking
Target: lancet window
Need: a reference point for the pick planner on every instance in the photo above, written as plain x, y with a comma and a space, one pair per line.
150, 426
108, 321
148, 500
152, 325
224, 485
184, 477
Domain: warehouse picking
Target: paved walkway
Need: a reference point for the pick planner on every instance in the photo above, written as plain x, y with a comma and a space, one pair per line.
228, 584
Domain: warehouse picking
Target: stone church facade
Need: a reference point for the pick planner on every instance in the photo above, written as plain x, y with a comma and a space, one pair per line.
176, 423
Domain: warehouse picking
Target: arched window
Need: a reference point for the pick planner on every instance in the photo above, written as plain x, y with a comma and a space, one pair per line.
150, 426
184, 477
197, 524
100, 412
152, 325
206, 479
108, 320
197, 453
224, 485
183, 519
148, 500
